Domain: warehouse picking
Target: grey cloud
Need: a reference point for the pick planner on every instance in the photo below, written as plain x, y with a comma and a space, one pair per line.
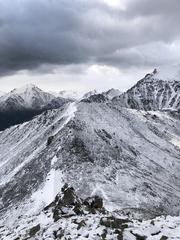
64, 32
159, 7
148, 55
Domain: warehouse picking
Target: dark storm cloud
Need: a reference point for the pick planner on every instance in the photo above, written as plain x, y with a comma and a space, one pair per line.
65, 32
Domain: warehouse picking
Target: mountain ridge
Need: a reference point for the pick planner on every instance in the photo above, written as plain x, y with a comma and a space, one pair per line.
76, 135
127, 155
151, 93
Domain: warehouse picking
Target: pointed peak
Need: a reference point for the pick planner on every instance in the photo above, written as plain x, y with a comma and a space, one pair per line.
25, 88
111, 93
155, 71
113, 90
165, 73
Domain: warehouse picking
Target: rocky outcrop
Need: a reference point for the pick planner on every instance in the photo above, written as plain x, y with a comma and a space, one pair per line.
152, 93
68, 199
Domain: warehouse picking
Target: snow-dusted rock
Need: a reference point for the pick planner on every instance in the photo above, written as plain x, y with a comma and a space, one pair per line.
112, 93
154, 92
68, 216
101, 96
26, 97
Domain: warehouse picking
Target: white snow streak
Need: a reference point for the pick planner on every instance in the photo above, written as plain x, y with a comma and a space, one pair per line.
175, 142
49, 190
69, 114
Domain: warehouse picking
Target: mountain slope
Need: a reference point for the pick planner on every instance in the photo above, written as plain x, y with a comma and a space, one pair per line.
134, 164
154, 92
70, 216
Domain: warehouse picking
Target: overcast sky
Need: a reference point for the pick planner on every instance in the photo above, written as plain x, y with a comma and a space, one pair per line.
85, 44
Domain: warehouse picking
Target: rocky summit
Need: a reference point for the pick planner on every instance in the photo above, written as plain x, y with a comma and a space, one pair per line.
70, 217
152, 93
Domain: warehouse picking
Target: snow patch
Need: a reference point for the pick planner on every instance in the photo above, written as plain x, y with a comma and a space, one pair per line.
155, 229
54, 160
69, 114
52, 186
176, 142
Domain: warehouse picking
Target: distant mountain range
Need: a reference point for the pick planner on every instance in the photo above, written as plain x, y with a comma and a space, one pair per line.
24, 103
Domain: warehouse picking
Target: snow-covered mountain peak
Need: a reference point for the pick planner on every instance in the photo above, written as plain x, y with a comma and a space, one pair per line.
28, 89
166, 73
28, 96
159, 90
111, 93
